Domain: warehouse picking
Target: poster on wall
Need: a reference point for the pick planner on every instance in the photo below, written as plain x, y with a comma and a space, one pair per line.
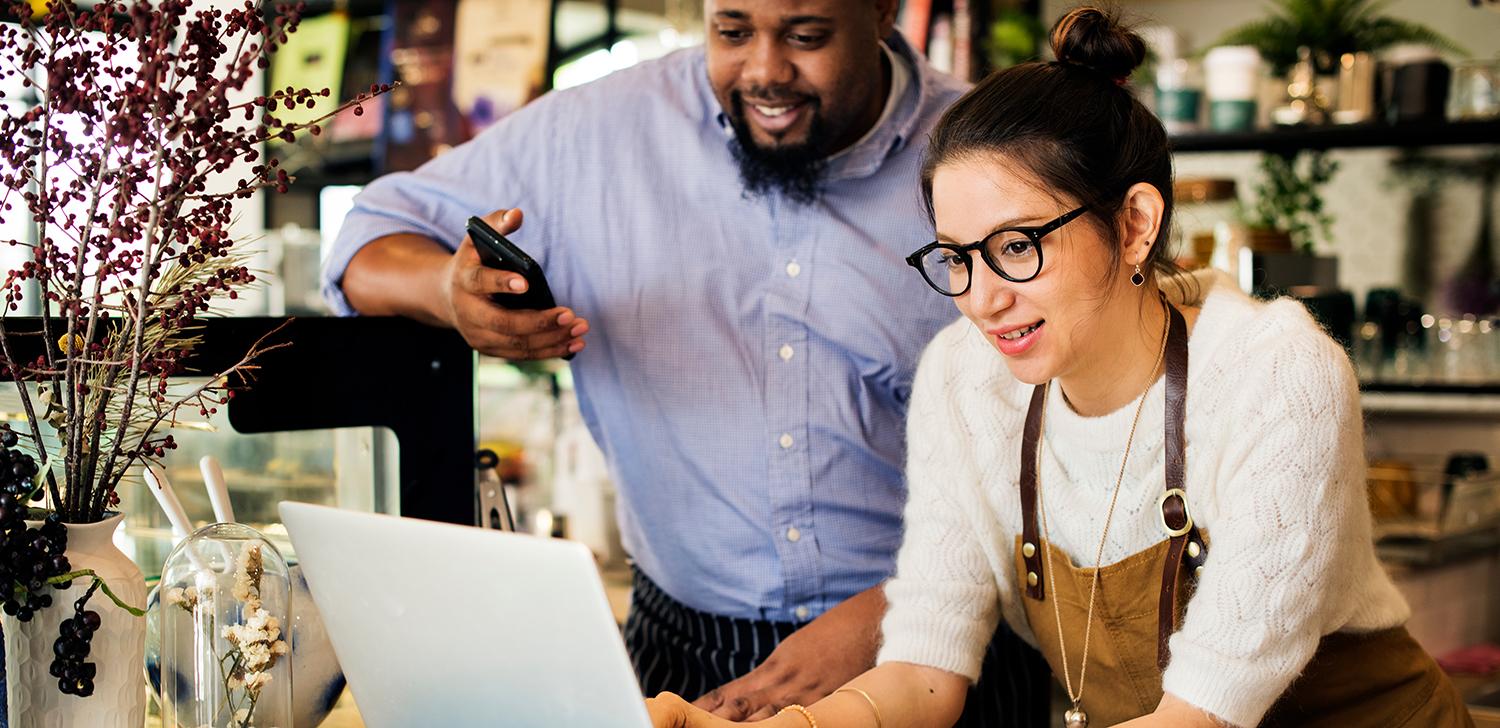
421, 119
500, 57
312, 57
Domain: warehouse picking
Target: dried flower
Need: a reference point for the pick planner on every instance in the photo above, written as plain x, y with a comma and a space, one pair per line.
247, 573
257, 643
186, 598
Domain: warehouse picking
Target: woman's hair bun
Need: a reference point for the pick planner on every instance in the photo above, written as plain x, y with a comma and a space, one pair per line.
1095, 39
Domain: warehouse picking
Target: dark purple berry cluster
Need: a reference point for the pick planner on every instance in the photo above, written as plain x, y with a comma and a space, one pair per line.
75, 676
28, 556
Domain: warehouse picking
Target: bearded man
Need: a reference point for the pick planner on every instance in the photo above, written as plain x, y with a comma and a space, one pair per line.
725, 228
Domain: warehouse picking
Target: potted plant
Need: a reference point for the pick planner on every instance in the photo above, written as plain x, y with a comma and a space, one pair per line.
1288, 211
1329, 28
1287, 219
131, 140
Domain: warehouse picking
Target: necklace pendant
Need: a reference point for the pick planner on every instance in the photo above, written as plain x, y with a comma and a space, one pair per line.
1076, 718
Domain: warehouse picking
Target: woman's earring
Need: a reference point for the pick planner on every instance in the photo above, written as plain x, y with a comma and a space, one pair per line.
1137, 279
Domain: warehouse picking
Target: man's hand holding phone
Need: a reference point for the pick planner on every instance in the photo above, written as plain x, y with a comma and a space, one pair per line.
493, 329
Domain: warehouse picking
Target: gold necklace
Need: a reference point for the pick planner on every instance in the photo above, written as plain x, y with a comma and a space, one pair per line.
1076, 717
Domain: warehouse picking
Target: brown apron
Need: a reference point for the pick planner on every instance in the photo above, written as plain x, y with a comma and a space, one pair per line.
1380, 679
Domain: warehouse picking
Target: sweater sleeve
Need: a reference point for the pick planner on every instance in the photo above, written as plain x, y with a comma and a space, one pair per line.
1292, 516
943, 600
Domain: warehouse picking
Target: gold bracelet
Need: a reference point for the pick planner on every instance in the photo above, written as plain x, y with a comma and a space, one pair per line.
811, 721
878, 722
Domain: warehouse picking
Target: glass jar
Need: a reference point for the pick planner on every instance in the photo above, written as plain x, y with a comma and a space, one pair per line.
225, 598
1476, 86
1202, 205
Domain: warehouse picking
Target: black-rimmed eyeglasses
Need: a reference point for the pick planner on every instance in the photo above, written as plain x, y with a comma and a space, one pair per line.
1014, 253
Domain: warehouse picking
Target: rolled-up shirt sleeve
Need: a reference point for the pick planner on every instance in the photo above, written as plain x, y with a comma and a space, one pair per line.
500, 168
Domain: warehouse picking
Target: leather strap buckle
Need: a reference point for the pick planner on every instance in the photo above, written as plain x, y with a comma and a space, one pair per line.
1187, 516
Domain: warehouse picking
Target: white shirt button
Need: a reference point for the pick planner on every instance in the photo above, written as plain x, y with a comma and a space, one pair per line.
793, 270
785, 441
786, 352
802, 612
793, 535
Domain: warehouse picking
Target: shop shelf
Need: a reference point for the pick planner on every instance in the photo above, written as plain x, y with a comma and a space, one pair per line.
1343, 136
1478, 401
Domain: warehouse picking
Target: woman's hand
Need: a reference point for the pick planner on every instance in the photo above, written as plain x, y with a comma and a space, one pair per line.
669, 710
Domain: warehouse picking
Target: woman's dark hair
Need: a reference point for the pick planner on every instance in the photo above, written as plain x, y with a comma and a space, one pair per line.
1071, 122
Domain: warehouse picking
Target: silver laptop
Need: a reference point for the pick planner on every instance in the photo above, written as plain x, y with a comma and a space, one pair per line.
443, 625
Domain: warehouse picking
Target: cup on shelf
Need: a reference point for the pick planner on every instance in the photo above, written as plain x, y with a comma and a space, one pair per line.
1467, 351
1416, 85
1411, 360
1476, 89
1392, 488
1393, 342
1489, 336
1356, 89
1368, 352
1464, 463
1179, 93
1232, 79
1202, 203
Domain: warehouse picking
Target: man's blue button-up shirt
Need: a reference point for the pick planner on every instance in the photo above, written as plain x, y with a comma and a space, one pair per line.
750, 358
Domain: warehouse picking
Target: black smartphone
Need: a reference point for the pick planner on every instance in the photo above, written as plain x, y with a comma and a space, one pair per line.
495, 251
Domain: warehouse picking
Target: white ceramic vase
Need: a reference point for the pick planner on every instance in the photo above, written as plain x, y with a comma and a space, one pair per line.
119, 699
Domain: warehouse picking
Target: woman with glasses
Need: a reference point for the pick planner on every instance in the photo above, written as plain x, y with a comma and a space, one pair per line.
1155, 480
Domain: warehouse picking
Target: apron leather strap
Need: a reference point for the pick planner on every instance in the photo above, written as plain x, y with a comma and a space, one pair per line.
1029, 535
1174, 510
1175, 516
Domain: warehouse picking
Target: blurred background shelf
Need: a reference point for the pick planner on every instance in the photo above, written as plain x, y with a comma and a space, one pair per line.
1351, 136
1433, 400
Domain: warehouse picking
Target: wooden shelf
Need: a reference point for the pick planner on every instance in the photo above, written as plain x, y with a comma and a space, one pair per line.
1476, 401
1343, 136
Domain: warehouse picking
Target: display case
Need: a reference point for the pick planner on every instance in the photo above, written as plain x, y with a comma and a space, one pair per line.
373, 414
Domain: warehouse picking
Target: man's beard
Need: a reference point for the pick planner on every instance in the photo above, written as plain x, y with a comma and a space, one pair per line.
794, 170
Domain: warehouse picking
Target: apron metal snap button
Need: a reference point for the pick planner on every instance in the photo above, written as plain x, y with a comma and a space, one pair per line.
1028, 550
1031, 578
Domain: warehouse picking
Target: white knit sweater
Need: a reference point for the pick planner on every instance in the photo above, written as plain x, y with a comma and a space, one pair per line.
1275, 474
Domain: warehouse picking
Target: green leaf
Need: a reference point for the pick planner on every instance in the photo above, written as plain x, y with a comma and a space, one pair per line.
1291, 200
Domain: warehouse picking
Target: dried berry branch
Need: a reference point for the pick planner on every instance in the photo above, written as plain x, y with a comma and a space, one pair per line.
128, 162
